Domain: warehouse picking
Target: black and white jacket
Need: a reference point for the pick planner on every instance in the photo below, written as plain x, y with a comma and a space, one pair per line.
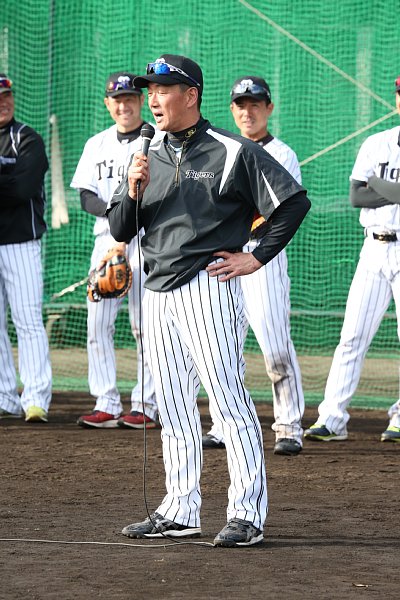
204, 202
23, 164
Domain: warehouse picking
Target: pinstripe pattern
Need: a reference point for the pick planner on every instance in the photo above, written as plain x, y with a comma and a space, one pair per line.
21, 287
375, 282
200, 328
267, 308
102, 368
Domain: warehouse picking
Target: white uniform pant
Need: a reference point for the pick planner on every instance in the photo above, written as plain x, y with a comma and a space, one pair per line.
196, 333
100, 340
21, 287
267, 309
375, 282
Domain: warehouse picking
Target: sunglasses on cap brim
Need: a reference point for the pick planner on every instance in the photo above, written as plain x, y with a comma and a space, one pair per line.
251, 88
125, 84
159, 67
5, 83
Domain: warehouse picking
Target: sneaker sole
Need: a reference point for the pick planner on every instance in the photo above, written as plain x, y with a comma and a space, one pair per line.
106, 425
131, 426
232, 544
194, 532
318, 438
390, 439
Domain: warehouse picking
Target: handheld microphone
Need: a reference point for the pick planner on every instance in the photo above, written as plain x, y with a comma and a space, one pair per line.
147, 133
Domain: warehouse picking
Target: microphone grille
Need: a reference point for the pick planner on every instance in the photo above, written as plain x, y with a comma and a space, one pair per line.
147, 131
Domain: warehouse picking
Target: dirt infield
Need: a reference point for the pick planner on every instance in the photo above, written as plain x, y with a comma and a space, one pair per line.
333, 529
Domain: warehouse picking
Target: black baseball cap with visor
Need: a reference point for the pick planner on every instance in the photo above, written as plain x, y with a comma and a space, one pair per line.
121, 82
6, 85
171, 69
251, 87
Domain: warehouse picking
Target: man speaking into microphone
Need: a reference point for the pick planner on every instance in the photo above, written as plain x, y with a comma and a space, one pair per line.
197, 192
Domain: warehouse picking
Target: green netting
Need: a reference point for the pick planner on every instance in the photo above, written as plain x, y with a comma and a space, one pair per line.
331, 69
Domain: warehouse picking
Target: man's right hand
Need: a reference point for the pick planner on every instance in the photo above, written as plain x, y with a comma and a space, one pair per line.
138, 172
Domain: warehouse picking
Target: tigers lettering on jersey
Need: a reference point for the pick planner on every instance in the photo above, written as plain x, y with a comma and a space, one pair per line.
105, 170
389, 174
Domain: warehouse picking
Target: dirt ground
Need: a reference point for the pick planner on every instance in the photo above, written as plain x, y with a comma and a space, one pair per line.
332, 532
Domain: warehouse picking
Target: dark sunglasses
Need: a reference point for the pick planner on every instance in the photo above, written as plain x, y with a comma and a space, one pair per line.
160, 67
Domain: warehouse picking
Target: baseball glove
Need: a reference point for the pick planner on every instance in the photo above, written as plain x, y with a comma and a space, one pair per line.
112, 279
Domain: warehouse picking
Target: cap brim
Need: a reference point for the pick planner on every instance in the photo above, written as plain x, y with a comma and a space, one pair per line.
121, 92
3, 90
249, 95
144, 80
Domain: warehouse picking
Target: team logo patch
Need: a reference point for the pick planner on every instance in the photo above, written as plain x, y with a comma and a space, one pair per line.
191, 174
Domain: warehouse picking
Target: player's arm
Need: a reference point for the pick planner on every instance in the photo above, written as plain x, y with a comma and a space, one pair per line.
277, 233
121, 213
387, 189
25, 178
123, 208
362, 195
281, 227
92, 204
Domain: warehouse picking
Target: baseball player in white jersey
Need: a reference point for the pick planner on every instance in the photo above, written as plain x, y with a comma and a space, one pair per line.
375, 188
23, 164
101, 168
266, 291
196, 209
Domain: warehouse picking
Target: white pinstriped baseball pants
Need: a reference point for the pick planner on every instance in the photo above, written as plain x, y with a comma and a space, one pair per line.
21, 287
267, 309
101, 319
375, 282
195, 333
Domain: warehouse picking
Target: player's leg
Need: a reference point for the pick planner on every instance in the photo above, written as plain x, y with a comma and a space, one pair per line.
392, 433
267, 308
144, 379
212, 323
369, 297
9, 398
102, 368
23, 281
177, 386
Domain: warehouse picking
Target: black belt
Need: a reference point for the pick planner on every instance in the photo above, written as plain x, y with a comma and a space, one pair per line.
385, 237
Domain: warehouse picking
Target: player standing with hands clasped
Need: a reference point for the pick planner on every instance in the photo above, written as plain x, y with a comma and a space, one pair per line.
101, 168
23, 164
266, 291
199, 191
374, 188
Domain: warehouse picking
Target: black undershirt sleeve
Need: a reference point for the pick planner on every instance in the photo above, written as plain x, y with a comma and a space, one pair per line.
281, 226
92, 204
362, 196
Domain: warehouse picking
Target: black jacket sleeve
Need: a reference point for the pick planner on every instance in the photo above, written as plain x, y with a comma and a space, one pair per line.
25, 179
281, 226
122, 214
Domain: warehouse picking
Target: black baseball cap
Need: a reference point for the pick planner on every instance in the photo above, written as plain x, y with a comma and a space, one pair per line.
6, 85
171, 69
121, 82
397, 84
251, 87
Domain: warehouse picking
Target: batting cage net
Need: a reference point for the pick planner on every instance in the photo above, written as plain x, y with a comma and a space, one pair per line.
331, 69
